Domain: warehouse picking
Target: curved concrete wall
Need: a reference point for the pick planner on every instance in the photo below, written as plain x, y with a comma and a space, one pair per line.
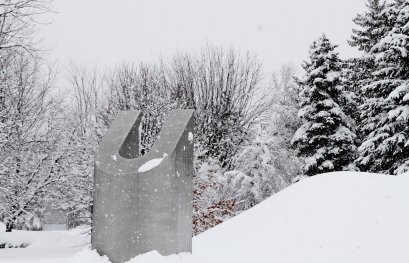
144, 203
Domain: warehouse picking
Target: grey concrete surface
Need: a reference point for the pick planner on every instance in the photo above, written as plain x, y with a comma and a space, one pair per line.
140, 207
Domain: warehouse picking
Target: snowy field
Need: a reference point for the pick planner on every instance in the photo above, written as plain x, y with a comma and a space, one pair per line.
338, 217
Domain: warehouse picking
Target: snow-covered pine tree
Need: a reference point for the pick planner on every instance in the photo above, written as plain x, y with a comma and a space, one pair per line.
352, 78
386, 147
326, 137
372, 26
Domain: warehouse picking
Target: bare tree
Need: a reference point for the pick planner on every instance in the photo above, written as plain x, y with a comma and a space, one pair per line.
88, 95
142, 87
285, 103
17, 26
18, 23
225, 90
82, 130
29, 154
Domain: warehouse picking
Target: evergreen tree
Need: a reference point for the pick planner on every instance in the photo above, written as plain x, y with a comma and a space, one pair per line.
386, 146
326, 136
352, 70
371, 27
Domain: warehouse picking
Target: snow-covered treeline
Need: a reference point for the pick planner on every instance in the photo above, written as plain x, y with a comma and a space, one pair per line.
242, 152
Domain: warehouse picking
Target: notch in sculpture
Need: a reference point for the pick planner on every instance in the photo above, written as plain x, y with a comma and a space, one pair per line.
144, 203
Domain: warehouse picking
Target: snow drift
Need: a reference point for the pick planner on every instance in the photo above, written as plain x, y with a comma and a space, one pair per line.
335, 217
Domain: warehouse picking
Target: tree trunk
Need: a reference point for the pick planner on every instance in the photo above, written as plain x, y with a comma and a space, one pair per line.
9, 227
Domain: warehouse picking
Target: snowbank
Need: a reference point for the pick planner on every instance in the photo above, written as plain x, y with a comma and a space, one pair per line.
338, 217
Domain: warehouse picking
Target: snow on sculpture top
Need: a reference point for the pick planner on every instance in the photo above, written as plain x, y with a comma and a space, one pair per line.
151, 164
124, 132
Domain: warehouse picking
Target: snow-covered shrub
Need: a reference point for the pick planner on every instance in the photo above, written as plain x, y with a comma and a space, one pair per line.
240, 188
263, 166
209, 209
29, 221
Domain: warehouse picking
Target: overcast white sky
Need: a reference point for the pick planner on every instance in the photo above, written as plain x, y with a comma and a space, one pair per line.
106, 32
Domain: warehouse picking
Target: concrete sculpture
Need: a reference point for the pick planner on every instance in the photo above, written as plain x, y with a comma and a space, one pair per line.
144, 203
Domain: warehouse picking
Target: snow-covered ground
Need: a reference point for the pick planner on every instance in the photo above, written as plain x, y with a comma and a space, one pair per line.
338, 217
45, 246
